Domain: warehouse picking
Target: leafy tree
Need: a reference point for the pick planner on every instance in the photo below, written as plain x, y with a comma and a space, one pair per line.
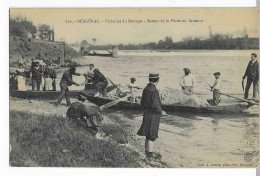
20, 26
44, 31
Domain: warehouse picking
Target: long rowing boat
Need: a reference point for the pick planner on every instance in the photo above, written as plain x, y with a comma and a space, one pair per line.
228, 107
235, 107
51, 94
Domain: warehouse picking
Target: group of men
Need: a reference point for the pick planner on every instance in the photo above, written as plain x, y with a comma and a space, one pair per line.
95, 80
151, 102
48, 73
187, 81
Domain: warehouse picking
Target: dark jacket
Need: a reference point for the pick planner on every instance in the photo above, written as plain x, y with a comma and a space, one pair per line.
150, 99
51, 73
66, 79
78, 110
151, 103
252, 70
99, 78
13, 83
36, 74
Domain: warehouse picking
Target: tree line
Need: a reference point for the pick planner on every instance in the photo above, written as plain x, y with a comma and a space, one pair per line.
22, 27
217, 41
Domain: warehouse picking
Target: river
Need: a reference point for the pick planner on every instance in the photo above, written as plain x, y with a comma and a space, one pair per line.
185, 139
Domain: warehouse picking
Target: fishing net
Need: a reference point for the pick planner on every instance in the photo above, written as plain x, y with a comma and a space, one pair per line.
174, 96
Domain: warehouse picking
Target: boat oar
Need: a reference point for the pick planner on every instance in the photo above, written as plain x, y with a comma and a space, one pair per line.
254, 103
243, 87
113, 83
112, 103
230, 95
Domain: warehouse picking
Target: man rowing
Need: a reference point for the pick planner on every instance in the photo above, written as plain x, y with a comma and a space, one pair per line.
65, 82
187, 82
100, 83
252, 74
131, 89
216, 87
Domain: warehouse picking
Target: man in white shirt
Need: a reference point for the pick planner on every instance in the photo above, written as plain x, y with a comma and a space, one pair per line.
187, 82
216, 89
131, 86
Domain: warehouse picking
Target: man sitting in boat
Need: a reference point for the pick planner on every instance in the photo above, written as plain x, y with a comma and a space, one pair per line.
216, 89
89, 78
131, 89
151, 103
187, 82
100, 83
79, 114
65, 82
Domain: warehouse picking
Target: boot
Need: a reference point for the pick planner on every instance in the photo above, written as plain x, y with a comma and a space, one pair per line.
149, 156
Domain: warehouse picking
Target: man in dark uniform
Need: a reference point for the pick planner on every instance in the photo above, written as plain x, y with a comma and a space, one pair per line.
13, 81
151, 103
51, 73
252, 74
65, 82
80, 114
100, 82
36, 76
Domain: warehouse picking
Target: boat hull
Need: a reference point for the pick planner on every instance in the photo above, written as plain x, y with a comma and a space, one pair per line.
232, 108
53, 94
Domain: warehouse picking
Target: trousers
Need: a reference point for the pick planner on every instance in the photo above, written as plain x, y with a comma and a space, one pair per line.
255, 87
36, 83
64, 93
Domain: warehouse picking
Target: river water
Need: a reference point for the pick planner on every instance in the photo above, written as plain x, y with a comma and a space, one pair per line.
185, 139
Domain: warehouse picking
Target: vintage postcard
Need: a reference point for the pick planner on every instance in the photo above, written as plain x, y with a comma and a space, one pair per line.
134, 88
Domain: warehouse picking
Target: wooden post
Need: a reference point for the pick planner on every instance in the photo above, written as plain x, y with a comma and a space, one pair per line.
62, 55
115, 51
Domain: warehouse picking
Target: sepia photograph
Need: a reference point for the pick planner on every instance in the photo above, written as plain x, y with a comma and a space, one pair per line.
134, 87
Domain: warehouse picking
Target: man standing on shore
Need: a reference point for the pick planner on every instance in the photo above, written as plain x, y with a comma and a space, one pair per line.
151, 103
36, 76
65, 82
252, 74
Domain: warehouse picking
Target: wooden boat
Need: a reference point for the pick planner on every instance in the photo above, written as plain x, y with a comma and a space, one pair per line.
99, 54
235, 107
51, 94
223, 107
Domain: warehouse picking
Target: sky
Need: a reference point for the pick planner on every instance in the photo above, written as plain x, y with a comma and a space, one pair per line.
221, 20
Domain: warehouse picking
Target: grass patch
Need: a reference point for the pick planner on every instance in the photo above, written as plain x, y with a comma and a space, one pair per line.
117, 132
53, 141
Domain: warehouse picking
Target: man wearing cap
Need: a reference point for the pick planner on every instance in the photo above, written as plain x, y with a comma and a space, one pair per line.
36, 76
100, 83
65, 82
252, 74
131, 86
79, 113
151, 103
216, 89
187, 82
88, 78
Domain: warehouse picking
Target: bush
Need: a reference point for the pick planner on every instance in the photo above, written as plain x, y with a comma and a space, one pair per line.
53, 141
